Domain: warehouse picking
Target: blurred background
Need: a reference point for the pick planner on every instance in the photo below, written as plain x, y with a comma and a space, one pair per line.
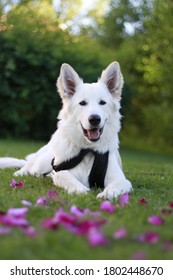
37, 36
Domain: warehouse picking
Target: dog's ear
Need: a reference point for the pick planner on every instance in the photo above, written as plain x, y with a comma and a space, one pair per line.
113, 79
68, 81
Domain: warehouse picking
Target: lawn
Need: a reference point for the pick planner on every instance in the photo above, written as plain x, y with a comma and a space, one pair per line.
152, 178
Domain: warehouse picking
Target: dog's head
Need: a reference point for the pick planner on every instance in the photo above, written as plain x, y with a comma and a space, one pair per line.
91, 106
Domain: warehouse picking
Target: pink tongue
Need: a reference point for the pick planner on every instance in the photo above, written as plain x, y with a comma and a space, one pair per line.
93, 134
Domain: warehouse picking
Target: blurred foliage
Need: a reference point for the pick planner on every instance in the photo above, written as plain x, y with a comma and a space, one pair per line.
36, 37
32, 49
145, 53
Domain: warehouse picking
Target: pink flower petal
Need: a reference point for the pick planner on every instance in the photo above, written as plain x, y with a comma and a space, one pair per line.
5, 230
140, 255
65, 219
83, 227
77, 211
155, 220
50, 223
72, 221
149, 237
120, 233
2, 213
61, 218
124, 199
41, 201
165, 211
83, 212
167, 245
95, 214
30, 231
26, 202
171, 204
14, 184
143, 201
52, 193
96, 238
20, 184
13, 221
17, 212
107, 206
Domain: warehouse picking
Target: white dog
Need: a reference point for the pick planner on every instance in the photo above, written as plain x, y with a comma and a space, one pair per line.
83, 151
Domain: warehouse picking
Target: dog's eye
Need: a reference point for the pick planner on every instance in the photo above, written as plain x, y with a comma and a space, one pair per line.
102, 102
83, 103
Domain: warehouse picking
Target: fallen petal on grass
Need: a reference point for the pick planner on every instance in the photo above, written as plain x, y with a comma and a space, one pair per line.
15, 184
165, 211
77, 211
13, 221
2, 213
143, 201
17, 212
51, 196
30, 231
41, 201
120, 233
155, 220
124, 199
14, 217
26, 203
49, 223
78, 222
107, 206
52, 193
83, 227
140, 255
5, 230
96, 238
64, 217
167, 245
171, 204
149, 237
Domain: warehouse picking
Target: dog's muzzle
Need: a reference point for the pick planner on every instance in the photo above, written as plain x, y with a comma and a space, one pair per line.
94, 132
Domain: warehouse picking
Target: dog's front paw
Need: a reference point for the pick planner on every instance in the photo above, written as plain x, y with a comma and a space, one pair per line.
77, 189
21, 172
113, 190
70, 184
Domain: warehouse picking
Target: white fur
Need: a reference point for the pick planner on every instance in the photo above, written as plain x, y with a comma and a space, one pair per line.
8, 162
80, 102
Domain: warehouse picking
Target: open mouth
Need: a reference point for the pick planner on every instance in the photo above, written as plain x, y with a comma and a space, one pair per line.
92, 134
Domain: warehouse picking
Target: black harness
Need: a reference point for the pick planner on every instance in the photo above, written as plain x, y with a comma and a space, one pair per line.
98, 170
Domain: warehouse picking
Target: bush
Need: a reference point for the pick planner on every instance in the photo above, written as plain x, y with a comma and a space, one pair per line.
32, 49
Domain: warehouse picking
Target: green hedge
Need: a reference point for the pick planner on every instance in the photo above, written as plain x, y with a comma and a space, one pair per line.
31, 53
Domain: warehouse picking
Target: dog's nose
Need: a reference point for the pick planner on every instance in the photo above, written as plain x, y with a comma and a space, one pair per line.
94, 119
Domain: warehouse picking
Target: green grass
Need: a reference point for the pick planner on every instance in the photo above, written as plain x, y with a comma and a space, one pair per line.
152, 178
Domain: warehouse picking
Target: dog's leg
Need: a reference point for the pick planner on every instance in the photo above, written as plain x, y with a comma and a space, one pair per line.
38, 163
116, 183
65, 179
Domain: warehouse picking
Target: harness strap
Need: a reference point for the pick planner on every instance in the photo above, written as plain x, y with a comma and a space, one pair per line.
98, 170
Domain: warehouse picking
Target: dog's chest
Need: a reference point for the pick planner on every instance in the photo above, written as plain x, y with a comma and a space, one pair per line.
83, 169
92, 169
